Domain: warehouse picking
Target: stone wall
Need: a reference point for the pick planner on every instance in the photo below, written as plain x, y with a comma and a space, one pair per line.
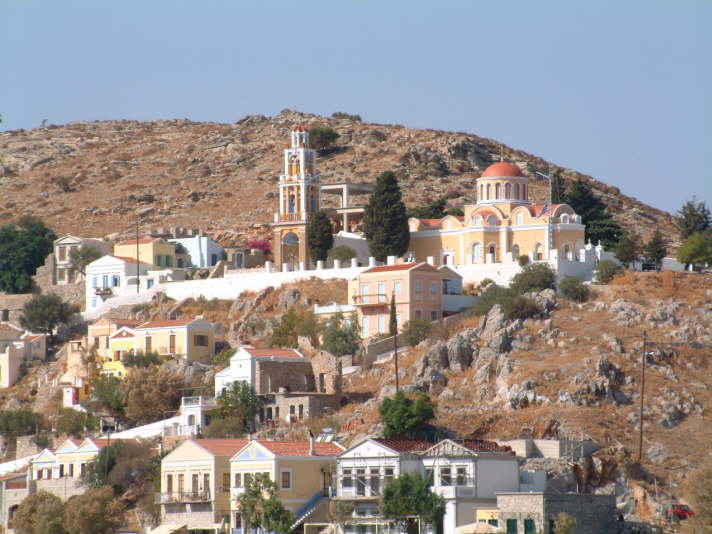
63, 488
46, 282
594, 514
312, 405
26, 446
11, 306
328, 365
290, 375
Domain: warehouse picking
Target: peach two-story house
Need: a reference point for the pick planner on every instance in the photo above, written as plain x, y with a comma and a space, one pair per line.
418, 289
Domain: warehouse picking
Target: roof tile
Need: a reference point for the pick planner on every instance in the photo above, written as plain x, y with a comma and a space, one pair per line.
301, 448
277, 353
222, 447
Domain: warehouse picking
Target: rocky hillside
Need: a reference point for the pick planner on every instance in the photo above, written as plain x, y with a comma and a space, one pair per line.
92, 177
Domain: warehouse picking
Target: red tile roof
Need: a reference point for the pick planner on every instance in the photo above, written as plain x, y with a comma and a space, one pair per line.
130, 260
122, 333
502, 169
10, 476
404, 445
277, 353
126, 322
385, 268
222, 447
31, 337
538, 209
164, 324
301, 448
142, 241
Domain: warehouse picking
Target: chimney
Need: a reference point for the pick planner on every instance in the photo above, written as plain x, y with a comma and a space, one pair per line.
311, 443
391, 260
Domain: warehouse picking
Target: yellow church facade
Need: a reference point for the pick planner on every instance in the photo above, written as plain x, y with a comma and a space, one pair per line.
502, 226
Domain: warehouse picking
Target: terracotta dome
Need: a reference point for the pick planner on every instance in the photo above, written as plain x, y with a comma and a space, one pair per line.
502, 169
299, 128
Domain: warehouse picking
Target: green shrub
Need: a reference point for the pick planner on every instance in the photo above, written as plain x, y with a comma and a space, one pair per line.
340, 338
521, 307
494, 294
416, 330
485, 282
322, 137
74, 422
342, 253
142, 359
139, 308
19, 422
223, 357
294, 324
534, 277
523, 260
403, 416
574, 289
342, 115
606, 270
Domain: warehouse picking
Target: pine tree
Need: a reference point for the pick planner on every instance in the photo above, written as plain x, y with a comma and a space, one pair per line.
627, 250
319, 236
385, 222
693, 217
600, 226
655, 250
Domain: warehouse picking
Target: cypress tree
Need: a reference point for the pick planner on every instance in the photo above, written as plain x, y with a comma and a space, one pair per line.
627, 250
655, 250
385, 222
319, 236
600, 226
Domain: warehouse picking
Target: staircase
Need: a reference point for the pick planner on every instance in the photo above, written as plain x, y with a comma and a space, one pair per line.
308, 508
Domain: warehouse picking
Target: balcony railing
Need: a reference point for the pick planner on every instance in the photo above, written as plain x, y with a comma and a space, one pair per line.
103, 291
183, 497
290, 217
370, 299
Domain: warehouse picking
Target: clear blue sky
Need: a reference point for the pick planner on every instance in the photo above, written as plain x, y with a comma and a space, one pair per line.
619, 90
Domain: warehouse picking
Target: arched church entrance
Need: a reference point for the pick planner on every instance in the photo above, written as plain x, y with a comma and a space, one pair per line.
290, 248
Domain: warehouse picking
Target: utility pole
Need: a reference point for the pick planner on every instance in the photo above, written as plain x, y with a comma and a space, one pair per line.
642, 396
138, 264
393, 330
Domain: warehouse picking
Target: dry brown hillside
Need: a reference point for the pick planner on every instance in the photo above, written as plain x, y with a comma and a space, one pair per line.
91, 177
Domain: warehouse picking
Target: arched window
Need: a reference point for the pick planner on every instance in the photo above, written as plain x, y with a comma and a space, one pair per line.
478, 221
516, 191
497, 191
492, 249
492, 220
515, 251
524, 192
508, 191
477, 253
567, 252
565, 218
489, 192
291, 204
520, 219
482, 188
537, 251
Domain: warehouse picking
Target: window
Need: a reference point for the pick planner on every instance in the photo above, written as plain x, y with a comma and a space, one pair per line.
93, 302
286, 479
433, 287
61, 470
381, 324
524, 192
117, 355
396, 286
196, 484
301, 412
398, 319
248, 479
508, 191
497, 191
172, 343
461, 475
489, 191
364, 326
213, 259
477, 253
418, 287
360, 482
433, 315
346, 480
96, 342
418, 314
159, 260
61, 275
169, 261
565, 218
381, 292
529, 527
226, 482
480, 198
364, 293
445, 476
515, 251
512, 526
200, 340
181, 480
206, 483
169, 483
62, 253
429, 475
70, 469
94, 281
516, 190
388, 474
520, 219
375, 480
149, 283
115, 280
147, 344
238, 480
82, 469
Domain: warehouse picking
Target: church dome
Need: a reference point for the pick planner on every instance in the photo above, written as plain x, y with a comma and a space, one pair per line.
502, 169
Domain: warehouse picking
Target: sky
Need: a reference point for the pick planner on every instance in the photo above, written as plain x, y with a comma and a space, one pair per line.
619, 90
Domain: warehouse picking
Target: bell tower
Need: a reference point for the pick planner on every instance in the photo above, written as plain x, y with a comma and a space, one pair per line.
299, 198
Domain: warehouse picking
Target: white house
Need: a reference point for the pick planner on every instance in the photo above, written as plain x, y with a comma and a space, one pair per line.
110, 276
467, 473
63, 248
243, 366
202, 251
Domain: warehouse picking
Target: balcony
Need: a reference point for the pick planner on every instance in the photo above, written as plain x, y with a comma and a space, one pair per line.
103, 291
370, 300
458, 489
288, 217
183, 497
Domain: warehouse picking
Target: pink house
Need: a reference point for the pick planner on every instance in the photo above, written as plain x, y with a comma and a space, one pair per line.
418, 290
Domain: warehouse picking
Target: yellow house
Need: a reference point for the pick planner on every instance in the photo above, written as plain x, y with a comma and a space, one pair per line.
100, 332
154, 251
195, 485
121, 344
301, 469
502, 226
193, 339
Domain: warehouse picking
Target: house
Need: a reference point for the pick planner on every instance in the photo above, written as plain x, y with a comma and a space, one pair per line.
290, 386
243, 257
99, 332
63, 247
75, 383
110, 276
192, 339
14, 487
59, 471
200, 249
529, 512
468, 474
500, 227
195, 486
121, 344
420, 292
301, 469
18, 347
154, 251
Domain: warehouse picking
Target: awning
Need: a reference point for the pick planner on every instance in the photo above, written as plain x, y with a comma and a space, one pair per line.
167, 529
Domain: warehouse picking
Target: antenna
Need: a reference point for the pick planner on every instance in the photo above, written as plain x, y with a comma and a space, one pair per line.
501, 152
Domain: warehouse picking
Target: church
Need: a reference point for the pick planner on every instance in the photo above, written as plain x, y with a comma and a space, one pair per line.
499, 228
